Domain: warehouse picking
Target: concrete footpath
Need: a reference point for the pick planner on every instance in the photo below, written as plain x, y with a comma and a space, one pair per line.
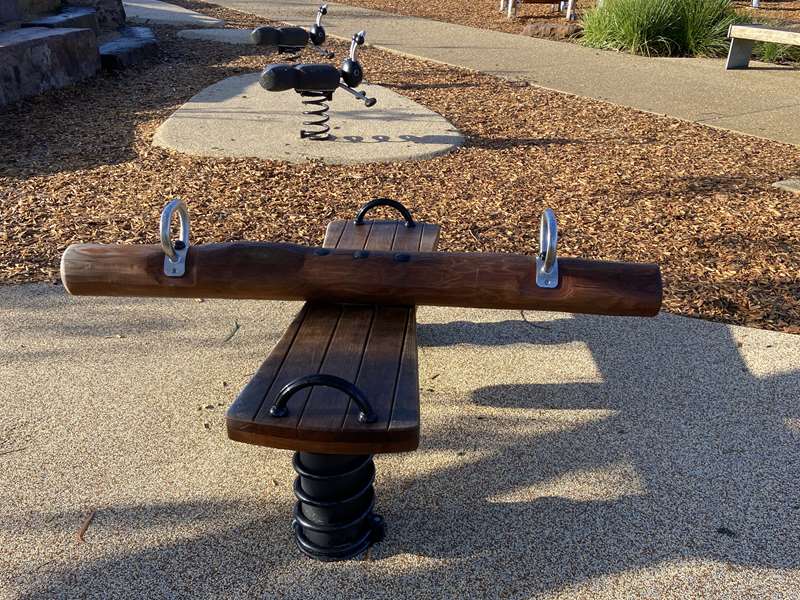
561, 457
763, 100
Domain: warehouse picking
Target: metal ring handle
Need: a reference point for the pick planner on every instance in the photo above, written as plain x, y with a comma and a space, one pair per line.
166, 222
547, 261
385, 202
175, 252
278, 409
548, 238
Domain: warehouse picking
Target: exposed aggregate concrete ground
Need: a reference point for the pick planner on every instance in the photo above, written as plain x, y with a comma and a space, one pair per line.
561, 457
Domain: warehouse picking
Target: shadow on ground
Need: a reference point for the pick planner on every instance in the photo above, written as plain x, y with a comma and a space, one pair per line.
681, 452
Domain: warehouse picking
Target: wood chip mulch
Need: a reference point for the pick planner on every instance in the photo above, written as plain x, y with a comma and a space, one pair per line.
76, 165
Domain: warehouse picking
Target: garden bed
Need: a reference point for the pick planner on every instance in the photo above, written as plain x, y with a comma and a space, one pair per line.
485, 14
77, 165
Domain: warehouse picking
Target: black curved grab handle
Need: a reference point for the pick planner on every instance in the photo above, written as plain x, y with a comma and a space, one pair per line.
384, 202
279, 409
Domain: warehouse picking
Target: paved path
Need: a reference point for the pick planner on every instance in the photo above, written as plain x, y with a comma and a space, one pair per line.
162, 13
566, 457
762, 101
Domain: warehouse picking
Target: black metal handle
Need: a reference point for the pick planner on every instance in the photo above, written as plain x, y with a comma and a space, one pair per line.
278, 409
384, 202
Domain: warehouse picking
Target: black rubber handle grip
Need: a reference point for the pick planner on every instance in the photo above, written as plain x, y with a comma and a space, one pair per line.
384, 202
318, 78
292, 37
282, 37
265, 36
279, 78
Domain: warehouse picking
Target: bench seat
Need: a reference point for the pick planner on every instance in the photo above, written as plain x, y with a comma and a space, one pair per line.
744, 37
372, 347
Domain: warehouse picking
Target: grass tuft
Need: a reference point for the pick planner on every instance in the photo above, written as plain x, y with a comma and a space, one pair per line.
661, 27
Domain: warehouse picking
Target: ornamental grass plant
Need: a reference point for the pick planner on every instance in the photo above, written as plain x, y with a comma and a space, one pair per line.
661, 27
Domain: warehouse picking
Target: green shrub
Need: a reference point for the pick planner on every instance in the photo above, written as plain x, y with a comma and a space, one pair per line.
661, 27
776, 53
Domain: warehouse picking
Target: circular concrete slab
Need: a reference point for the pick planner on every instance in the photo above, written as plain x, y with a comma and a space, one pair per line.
146, 12
227, 36
237, 118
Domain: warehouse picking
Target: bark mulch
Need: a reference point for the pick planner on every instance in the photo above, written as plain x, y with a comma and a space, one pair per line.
486, 15
77, 165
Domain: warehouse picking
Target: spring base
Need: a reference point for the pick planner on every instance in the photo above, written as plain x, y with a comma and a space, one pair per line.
317, 108
333, 516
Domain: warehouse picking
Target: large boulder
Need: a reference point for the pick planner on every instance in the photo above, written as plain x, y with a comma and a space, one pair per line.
9, 12
110, 13
34, 60
133, 45
553, 31
34, 8
71, 17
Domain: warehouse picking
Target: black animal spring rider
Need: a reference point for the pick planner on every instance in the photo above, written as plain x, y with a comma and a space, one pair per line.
316, 84
294, 39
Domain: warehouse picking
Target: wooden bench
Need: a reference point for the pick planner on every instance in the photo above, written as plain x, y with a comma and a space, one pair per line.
333, 359
744, 37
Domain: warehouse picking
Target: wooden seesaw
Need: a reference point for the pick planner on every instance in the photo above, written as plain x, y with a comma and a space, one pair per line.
342, 383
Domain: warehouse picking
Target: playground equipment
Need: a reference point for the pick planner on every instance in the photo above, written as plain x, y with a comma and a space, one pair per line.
316, 84
567, 6
294, 39
744, 37
342, 383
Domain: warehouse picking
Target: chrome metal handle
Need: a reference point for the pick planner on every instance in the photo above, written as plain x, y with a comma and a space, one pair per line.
175, 252
547, 260
358, 40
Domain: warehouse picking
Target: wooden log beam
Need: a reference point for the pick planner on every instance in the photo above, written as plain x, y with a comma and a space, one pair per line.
268, 271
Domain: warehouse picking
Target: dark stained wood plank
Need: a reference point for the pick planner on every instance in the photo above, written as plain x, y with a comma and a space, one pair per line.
354, 236
326, 407
303, 358
407, 238
405, 404
333, 233
249, 401
430, 238
381, 236
378, 374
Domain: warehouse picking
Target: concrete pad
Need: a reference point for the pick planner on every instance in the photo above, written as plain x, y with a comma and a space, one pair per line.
227, 36
789, 185
760, 101
163, 13
237, 118
561, 457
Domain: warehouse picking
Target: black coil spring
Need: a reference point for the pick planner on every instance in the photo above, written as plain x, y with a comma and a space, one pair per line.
333, 516
320, 123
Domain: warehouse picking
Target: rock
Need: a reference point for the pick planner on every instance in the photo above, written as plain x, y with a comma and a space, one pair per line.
9, 12
788, 185
133, 45
71, 17
110, 13
32, 8
553, 31
36, 59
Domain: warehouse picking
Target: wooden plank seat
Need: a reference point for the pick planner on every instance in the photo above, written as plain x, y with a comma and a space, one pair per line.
370, 347
744, 37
